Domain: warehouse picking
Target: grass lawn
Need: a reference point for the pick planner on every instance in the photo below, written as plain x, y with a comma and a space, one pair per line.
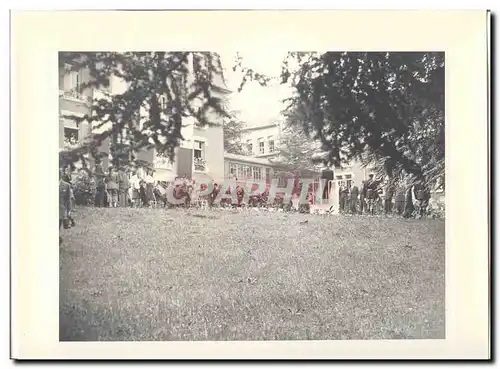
155, 274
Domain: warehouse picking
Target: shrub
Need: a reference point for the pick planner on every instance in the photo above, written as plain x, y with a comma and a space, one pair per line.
84, 188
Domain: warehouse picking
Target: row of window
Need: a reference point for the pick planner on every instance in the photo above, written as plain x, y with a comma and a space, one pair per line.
345, 180
261, 145
199, 157
246, 172
72, 80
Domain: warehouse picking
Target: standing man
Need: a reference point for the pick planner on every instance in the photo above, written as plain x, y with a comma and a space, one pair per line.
64, 202
112, 187
409, 207
369, 193
71, 203
135, 188
123, 187
149, 187
341, 198
100, 180
354, 199
389, 193
400, 199
362, 197
421, 195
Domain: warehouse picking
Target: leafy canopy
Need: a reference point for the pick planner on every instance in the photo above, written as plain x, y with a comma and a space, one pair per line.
166, 87
378, 107
233, 128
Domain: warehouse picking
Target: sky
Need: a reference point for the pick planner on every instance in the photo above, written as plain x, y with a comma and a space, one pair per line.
257, 105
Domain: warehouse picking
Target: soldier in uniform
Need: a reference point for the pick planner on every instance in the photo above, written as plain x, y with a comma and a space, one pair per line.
112, 180
71, 202
354, 199
342, 198
399, 200
370, 194
362, 197
389, 193
422, 196
100, 180
64, 202
123, 188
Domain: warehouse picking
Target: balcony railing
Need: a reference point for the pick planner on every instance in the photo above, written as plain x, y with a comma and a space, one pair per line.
200, 164
162, 162
74, 95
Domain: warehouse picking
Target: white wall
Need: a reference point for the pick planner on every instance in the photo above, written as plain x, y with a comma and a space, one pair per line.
358, 172
255, 134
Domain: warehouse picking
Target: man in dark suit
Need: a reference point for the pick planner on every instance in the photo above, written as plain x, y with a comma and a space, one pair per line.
64, 202
354, 199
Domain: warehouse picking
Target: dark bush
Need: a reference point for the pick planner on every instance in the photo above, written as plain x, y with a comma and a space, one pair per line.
83, 188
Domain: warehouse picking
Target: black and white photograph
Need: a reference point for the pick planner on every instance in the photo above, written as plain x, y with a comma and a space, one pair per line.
209, 196
258, 194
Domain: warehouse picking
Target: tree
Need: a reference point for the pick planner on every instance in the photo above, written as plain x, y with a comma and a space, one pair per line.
232, 134
167, 87
383, 108
296, 149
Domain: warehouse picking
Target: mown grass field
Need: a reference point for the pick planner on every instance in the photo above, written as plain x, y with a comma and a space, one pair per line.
155, 274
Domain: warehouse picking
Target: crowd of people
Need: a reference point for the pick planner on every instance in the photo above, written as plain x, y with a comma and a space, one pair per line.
137, 188
374, 196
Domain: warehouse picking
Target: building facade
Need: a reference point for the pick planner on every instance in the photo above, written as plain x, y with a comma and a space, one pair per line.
200, 156
246, 168
262, 141
76, 101
352, 174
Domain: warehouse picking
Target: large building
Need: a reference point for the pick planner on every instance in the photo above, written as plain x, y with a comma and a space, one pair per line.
200, 156
263, 142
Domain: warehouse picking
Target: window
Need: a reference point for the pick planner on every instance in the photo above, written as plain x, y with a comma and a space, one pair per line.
72, 83
270, 140
71, 134
199, 149
349, 181
199, 156
76, 81
282, 181
247, 172
268, 174
261, 146
257, 173
232, 169
163, 102
249, 146
338, 178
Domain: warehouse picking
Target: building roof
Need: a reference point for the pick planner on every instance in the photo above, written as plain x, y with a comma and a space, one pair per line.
255, 128
247, 159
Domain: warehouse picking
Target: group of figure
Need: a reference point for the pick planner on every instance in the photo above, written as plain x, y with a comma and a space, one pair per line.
375, 197
135, 188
